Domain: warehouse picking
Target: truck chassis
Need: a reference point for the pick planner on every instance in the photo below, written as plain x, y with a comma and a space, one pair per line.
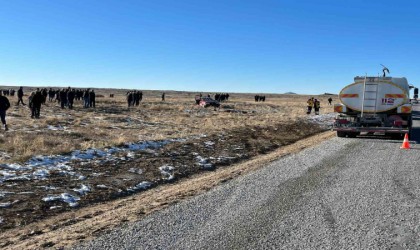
352, 125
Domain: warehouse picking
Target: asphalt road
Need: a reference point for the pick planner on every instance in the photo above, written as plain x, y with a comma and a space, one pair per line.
342, 194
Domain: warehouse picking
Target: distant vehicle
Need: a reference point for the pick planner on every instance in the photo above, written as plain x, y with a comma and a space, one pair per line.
209, 102
374, 105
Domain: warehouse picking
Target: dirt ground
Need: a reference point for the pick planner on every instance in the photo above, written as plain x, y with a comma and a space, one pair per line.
72, 160
76, 226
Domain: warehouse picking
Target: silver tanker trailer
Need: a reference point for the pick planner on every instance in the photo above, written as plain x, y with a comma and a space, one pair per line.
374, 105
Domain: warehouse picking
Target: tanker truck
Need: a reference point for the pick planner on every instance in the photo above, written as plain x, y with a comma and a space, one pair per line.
374, 105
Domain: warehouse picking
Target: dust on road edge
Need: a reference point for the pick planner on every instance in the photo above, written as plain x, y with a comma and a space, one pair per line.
86, 223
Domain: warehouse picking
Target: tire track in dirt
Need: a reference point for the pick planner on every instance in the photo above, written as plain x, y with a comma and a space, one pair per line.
86, 223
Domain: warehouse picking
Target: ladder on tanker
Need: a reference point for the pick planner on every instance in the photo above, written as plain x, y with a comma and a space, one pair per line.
370, 96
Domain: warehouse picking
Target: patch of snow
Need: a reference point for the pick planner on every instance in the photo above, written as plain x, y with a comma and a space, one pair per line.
141, 186
1, 220
209, 144
83, 190
101, 186
13, 166
59, 127
5, 204
81, 178
325, 120
204, 163
4, 155
167, 172
4, 193
49, 187
135, 170
225, 159
41, 174
64, 197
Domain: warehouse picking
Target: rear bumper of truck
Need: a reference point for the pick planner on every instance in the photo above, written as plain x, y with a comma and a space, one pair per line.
385, 130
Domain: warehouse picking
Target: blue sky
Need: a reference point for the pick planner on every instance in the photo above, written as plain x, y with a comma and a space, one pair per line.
264, 46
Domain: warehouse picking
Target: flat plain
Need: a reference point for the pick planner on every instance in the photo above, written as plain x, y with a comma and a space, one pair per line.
73, 159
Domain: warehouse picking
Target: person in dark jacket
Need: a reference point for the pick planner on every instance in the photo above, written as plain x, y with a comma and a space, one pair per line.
70, 98
20, 96
86, 100
92, 96
63, 98
51, 94
37, 100
4, 106
31, 104
317, 106
129, 98
44, 93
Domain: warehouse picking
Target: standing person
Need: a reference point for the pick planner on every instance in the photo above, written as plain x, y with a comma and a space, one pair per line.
92, 96
63, 98
51, 94
163, 97
37, 100
129, 98
197, 99
44, 95
70, 98
317, 105
310, 105
4, 105
137, 98
20, 96
86, 98
31, 104
329, 101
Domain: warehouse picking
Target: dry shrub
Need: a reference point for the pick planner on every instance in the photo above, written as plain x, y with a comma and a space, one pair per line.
54, 121
112, 123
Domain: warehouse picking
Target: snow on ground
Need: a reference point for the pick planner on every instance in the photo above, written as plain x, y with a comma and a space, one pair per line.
40, 166
59, 127
141, 186
203, 162
167, 172
72, 200
325, 120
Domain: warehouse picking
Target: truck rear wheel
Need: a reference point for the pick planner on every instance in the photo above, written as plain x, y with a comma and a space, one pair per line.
353, 134
341, 134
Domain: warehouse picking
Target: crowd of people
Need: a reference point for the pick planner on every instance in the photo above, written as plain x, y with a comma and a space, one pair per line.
221, 97
259, 98
8, 92
65, 97
134, 98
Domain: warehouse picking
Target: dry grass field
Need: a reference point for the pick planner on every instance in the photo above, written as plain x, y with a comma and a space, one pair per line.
72, 158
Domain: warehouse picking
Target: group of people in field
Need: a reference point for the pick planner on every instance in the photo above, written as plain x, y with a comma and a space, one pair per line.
315, 104
134, 98
8, 92
221, 97
36, 99
259, 98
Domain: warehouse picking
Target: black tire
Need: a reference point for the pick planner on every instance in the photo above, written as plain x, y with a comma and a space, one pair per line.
341, 134
397, 136
353, 134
